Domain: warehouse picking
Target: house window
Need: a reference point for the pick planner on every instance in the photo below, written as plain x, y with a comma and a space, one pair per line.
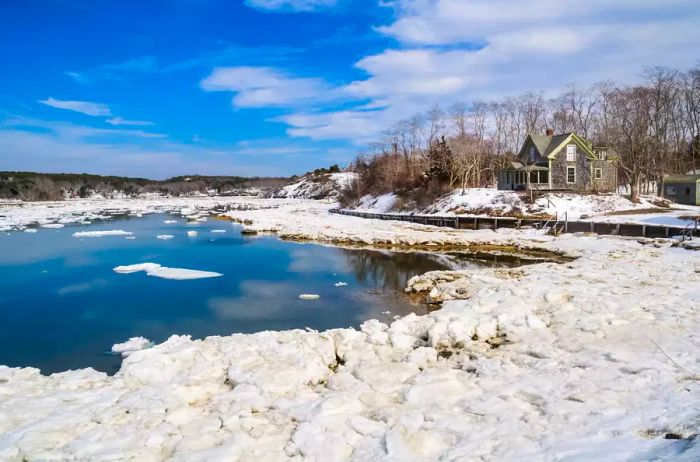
602, 155
571, 153
532, 153
544, 176
598, 173
670, 190
571, 175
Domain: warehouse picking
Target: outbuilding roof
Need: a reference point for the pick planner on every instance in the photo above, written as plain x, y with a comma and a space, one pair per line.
681, 179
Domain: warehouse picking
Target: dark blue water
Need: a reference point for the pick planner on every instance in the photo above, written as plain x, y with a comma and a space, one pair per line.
62, 306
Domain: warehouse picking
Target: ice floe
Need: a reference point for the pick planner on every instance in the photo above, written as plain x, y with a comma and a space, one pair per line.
114, 232
309, 296
341, 284
192, 233
30, 230
52, 225
169, 222
218, 230
131, 345
164, 272
165, 237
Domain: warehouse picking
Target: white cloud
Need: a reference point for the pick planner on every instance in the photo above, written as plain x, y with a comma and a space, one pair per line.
291, 5
484, 49
264, 86
84, 107
120, 121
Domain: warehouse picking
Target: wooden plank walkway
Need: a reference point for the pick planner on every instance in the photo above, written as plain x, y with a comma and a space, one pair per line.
474, 222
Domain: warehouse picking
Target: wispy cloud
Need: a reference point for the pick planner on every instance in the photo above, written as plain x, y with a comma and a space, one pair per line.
120, 121
264, 87
115, 71
291, 5
83, 107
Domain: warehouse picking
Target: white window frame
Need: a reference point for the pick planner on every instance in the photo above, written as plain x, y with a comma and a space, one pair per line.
598, 173
571, 153
567, 174
603, 155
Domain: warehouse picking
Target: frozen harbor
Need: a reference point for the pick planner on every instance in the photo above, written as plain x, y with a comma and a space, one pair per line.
80, 289
596, 358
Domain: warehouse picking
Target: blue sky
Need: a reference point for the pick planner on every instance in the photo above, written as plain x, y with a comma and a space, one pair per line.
277, 87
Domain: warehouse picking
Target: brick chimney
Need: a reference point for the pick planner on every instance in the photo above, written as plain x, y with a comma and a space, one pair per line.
550, 132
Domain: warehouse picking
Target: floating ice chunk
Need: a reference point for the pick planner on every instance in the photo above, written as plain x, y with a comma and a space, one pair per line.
309, 296
185, 212
114, 232
202, 219
181, 273
165, 236
53, 225
30, 230
341, 284
131, 345
169, 222
192, 233
130, 237
137, 267
156, 270
218, 230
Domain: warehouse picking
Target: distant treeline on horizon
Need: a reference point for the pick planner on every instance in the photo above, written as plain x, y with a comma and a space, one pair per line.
33, 186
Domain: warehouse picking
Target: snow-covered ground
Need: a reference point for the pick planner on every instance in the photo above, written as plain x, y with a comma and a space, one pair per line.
318, 186
594, 359
492, 202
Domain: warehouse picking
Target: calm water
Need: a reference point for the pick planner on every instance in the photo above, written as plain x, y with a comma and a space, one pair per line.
63, 307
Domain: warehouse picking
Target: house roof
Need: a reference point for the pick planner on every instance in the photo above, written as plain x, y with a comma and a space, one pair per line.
681, 178
549, 145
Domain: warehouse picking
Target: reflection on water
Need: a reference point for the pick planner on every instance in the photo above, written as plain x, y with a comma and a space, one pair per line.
62, 306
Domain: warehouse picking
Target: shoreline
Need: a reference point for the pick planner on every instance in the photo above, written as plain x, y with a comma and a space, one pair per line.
540, 360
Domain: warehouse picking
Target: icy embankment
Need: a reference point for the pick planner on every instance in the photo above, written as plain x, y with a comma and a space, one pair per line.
594, 359
154, 269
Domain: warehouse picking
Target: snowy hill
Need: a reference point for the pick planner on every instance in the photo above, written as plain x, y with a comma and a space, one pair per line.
492, 202
324, 186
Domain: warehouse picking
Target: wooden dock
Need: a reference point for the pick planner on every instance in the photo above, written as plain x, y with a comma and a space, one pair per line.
558, 226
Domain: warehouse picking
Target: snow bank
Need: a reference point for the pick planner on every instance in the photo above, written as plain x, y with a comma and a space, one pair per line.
131, 345
381, 204
318, 186
492, 202
154, 269
114, 232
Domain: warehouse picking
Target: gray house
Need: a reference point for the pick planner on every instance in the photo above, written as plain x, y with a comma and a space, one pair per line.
683, 189
563, 162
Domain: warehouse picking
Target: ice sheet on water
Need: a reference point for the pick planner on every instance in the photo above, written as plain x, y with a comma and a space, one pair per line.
154, 269
113, 232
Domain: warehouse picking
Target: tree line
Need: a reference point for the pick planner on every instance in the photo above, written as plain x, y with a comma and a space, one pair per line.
30, 186
653, 127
